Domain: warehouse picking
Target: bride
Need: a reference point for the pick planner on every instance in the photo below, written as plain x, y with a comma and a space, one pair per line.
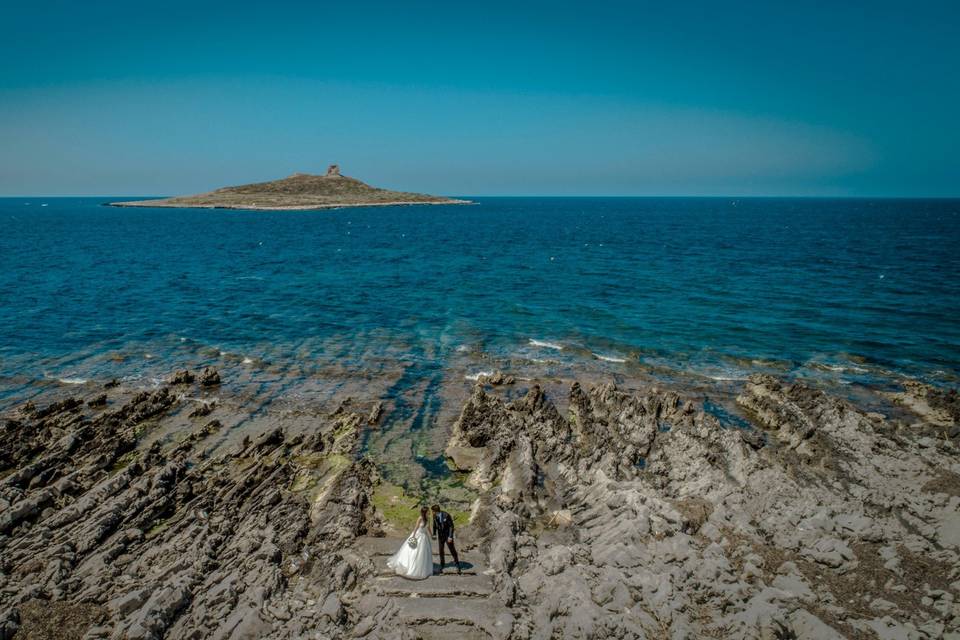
414, 559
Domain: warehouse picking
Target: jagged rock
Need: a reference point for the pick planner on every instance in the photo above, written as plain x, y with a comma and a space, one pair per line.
209, 377
204, 409
181, 377
627, 515
172, 542
332, 608
375, 413
695, 517
938, 407
496, 379
99, 401
695, 512
464, 458
754, 438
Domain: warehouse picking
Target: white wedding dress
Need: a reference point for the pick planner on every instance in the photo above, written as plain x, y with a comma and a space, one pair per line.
414, 562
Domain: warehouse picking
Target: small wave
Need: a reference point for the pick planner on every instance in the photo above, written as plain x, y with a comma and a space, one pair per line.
249, 278
609, 358
72, 380
248, 361
545, 344
727, 378
769, 364
838, 368
479, 374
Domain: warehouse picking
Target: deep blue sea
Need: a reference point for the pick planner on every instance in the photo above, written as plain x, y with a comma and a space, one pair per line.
855, 291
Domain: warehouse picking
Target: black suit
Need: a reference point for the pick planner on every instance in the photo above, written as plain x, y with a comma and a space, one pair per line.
443, 529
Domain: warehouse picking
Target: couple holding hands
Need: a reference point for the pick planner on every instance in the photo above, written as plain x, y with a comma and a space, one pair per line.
414, 559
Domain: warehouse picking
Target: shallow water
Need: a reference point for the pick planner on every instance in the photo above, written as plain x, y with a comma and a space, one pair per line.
850, 289
410, 304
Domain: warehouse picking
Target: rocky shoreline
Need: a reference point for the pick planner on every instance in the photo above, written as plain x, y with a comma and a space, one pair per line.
161, 204
602, 514
298, 192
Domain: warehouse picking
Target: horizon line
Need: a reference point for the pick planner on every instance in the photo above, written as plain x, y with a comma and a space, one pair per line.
583, 196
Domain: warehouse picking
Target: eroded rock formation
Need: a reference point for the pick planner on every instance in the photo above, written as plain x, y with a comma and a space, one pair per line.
610, 515
640, 516
168, 542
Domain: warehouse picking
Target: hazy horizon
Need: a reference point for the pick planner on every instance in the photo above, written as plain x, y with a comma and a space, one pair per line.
498, 100
718, 196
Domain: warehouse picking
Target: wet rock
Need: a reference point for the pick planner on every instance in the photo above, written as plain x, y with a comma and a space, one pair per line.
181, 377
209, 377
776, 407
99, 401
496, 379
375, 413
937, 408
203, 409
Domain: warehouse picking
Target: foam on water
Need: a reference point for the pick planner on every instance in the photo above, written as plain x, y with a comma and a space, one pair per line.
616, 359
479, 374
545, 344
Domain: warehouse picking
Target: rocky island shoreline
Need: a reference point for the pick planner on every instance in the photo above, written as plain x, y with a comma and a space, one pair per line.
298, 192
598, 513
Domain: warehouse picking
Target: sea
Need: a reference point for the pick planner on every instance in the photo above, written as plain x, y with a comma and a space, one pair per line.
408, 302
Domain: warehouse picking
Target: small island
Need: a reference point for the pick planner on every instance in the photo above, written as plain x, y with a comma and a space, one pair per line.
300, 191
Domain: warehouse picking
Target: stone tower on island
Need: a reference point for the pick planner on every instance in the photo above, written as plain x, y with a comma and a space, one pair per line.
333, 171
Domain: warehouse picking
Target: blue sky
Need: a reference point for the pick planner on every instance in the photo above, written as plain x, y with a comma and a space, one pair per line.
521, 98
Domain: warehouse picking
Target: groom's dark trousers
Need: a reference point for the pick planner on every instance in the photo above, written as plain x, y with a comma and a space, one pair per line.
443, 527
453, 552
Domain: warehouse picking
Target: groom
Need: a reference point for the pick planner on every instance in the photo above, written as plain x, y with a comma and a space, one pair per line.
443, 529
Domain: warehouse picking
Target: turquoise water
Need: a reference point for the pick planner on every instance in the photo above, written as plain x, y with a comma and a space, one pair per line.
856, 290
